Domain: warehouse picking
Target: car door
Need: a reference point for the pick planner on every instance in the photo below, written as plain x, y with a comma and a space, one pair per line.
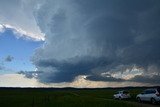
143, 95
150, 94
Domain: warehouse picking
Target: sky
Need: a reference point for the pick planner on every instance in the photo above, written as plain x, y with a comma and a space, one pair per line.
77, 43
15, 53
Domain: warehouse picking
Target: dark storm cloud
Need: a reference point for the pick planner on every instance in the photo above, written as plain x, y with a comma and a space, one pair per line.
30, 74
107, 78
9, 58
146, 79
90, 37
69, 69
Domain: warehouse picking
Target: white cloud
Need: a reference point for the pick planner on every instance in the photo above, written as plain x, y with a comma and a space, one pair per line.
19, 32
128, 73
1, 28
18, 16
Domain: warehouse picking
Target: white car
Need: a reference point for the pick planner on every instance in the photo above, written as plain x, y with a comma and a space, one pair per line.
151, 95
121, 95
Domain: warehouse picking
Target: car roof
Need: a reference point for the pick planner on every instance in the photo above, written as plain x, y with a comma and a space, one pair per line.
151, 89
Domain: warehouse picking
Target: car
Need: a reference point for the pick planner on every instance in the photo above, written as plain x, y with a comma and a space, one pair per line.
121, 95
151, 95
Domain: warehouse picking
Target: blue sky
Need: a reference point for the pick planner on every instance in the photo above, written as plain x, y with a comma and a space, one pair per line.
18, 47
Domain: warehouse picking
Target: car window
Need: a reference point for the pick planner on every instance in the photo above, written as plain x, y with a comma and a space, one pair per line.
147, 92
125, 92
144, 92
151, 91
158, 89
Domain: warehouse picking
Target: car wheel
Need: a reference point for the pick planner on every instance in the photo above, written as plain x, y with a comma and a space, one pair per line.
120, 98
139, 100
153, 101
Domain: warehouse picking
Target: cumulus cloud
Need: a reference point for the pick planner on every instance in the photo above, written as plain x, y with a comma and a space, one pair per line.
9, 58
20, 33
18, 16
1, 28
95, 37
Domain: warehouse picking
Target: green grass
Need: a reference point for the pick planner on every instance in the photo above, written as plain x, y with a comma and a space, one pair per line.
62, 98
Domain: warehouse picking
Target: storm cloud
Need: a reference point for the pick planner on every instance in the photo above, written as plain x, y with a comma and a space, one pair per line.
91, 37
69, 69
154, 79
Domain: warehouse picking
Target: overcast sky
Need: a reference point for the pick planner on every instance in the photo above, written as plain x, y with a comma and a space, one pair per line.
79, 43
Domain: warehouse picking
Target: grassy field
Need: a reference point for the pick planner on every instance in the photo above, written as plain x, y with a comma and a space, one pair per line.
64, 98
